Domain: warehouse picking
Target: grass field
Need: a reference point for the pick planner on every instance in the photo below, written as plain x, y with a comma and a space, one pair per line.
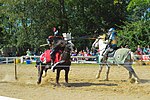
82, 83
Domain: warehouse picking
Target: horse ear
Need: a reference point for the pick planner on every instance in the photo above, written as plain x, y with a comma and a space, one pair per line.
102, 36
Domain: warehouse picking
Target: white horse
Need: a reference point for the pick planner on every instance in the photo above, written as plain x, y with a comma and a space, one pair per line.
121, 56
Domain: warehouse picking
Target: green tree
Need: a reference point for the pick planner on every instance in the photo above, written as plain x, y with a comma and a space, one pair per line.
135, 33
136, 9
136, 30
30, 22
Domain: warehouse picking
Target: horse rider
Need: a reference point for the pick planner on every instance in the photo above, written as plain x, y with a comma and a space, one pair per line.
111, 41
56, 43
58, 47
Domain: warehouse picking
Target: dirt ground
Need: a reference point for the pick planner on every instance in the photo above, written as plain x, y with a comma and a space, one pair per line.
82, 84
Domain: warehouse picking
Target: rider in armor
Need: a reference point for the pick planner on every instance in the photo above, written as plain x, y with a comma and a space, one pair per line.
111, 41
55, 43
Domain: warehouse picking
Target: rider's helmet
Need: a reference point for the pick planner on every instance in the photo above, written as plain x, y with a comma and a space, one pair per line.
111, 30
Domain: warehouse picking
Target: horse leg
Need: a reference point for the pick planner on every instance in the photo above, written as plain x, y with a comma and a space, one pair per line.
38, 67
57, 76
45, 74
107, 72
130, 75
40, 75
131, 71
66, 74
99, 71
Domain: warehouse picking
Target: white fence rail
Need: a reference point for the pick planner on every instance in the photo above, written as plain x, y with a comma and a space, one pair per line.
22, 59
75, 59
8, 59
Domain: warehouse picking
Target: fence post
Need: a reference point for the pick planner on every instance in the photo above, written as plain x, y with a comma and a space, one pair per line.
15, 69
6, 60
21, 59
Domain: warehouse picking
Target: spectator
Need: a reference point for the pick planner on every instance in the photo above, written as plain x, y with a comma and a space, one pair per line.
74, 53
85, 55
80, 53
28, 52
145, 52
148, 50
139, 50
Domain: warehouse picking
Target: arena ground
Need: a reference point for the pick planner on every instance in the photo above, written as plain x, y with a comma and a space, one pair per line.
82, 84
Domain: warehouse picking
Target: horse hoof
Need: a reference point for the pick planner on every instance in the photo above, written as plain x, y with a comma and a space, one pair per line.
57, 84
106, 80
133, 80
38, 82
137, 81
44, 76
97, 77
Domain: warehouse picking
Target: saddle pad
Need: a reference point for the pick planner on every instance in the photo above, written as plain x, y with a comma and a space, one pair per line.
121, 55
45, 57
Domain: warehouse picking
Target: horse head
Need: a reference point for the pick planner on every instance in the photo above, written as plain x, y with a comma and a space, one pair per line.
69, 44
100, 44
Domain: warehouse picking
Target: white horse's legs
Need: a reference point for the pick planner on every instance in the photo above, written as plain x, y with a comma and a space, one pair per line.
131, 72
107, 72
99, 71
130, 75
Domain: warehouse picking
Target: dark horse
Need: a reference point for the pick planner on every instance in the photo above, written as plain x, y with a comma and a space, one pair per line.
63, 64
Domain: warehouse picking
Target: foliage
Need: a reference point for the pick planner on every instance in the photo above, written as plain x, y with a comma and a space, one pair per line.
27, 23
136, 30
136, 9
135, 33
